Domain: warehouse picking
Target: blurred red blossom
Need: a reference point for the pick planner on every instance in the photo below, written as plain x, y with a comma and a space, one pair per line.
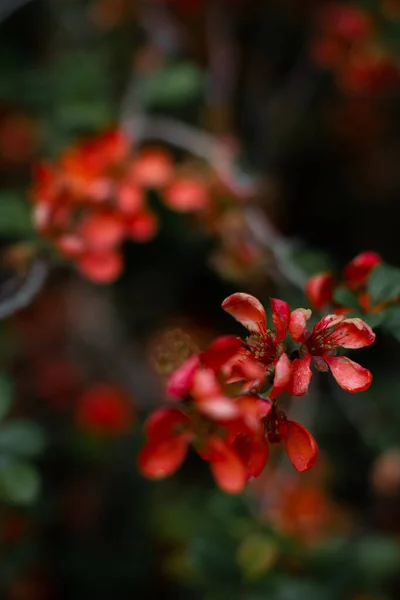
95, 197
320, 288
104, 409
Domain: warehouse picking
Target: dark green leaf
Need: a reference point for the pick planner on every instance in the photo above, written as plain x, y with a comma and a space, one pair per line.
21, 437
19, 482
6, 395
345, 297
383, 283
15, 215
172, 85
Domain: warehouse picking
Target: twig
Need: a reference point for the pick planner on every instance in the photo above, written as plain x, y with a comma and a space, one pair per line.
8, 7
27, 290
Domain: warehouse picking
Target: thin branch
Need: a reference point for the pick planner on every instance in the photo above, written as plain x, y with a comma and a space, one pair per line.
8, 7
29, 288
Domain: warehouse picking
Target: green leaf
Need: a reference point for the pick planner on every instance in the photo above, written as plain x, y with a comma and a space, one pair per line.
172, 85
384, 283
390, 320
22, 438
15, 216
6, 395
345, 297
312, 261
19, 482
85, 115
378, 556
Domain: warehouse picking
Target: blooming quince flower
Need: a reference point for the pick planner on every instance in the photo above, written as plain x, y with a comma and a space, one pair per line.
320, 345
264, 346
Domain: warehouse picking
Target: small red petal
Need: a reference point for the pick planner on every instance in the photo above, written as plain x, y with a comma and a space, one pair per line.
301, 447
354, 333
301, 375
282, 376
253, 452
351, 376
210, 399
160, 458
152, 168
247, 310
187, 195
165, 422
129, 198
228, 470
101, 230
280, 318
142, 227
100, 267
181, 380
223, 349
298, 323
319, 290
357, 271
70, 245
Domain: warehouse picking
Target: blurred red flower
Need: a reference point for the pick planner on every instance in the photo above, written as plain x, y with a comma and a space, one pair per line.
104, 409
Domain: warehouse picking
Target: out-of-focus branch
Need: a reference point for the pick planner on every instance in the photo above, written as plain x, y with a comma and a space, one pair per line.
206, 146
8, 7
25, 288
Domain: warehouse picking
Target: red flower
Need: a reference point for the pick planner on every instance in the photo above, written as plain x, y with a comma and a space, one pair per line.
264, 345
222, 437
187, 195
168, 433
320, 345
320, 287
221, 351
104, 409
357, 270
300, 445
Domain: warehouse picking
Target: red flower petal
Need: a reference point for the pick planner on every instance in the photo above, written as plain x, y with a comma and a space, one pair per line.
223, 349
141, 227
319, 289
160, 458
210, 399
100, 267
349, 375
152, 168
353, 333
228, 470
101, 230
280, 318
181, 380
357, 271
301, 447
282, 377
187, 195
247, 310
298, 323
301, 375
245, 369
129, 198
253, 452
165, 423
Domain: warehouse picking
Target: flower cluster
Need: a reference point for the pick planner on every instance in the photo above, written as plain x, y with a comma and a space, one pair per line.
95, 197
226, 398
321, 288
346, 42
